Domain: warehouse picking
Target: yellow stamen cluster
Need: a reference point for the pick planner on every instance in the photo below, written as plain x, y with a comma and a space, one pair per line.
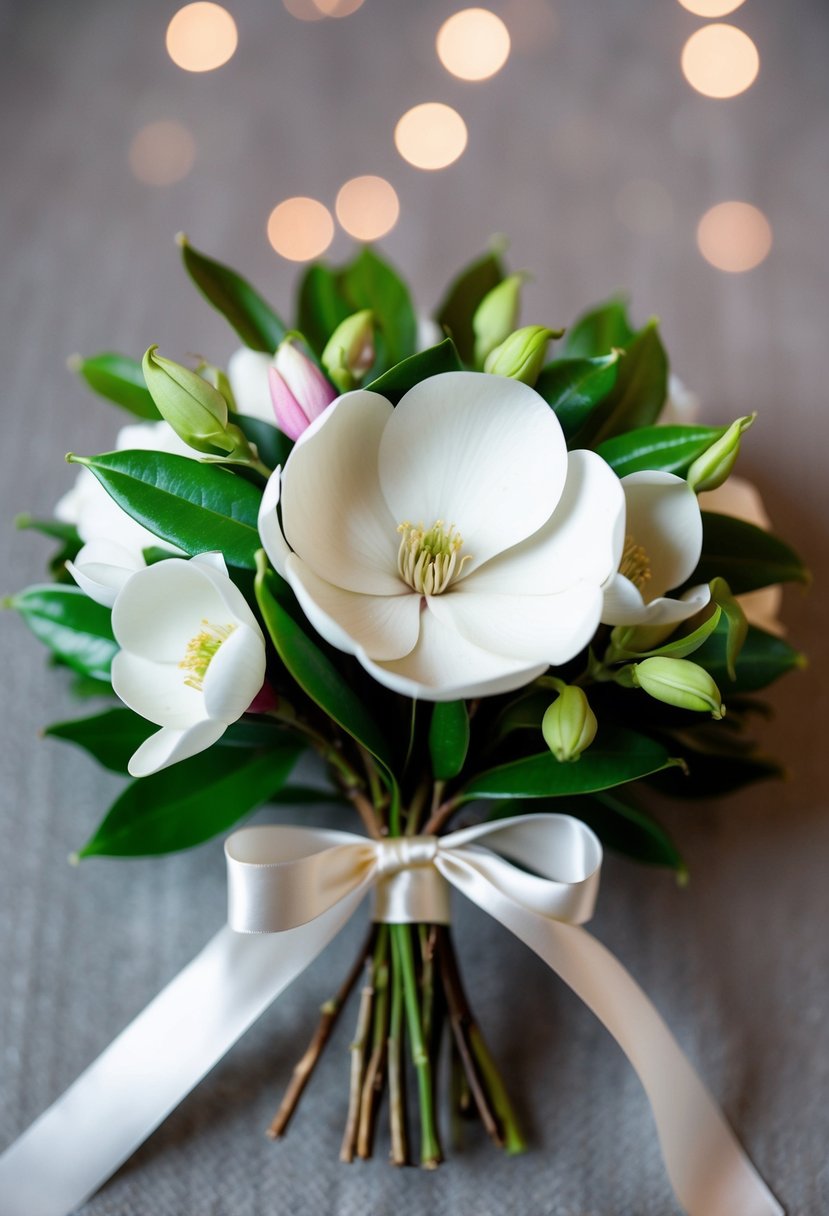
201, 650
428, 560
635, 564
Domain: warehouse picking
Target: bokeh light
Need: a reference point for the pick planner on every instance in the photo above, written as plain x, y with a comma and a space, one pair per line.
162, 153
532, 25
300, 229
338, 8
734, 237
367, 207
720, 61
473, 44
304, 10
644, 207
711, 8
431, 135
201, 37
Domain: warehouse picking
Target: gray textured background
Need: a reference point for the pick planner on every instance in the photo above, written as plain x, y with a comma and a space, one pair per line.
737, 962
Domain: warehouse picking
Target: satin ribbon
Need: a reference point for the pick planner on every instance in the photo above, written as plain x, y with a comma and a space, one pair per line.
291, 890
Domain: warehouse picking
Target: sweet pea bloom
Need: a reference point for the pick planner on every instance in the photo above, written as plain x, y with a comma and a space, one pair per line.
451, 543
192, 656
658, 546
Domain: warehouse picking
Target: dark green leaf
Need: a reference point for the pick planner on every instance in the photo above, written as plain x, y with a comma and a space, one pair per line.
76, 630
448, 738
189, 802
712, 775
573, 387
524, 713
670, 449
638, 395
321, 306
254, 320
465, 294
747, 557
120, 379
616, 755
370, 283
599, 331
273, 446
763, 659
197, 507
736, 621
403, 376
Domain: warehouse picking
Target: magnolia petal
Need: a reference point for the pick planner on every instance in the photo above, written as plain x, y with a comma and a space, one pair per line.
309, 388
553, 628
444, 666
484, 453
235, 675
624, 605
270, 529
663, 516
102, 567
167, 746
163, 607
580, 542
247, 371
334, 515
379, 626
156, 691
290, 417
213, 566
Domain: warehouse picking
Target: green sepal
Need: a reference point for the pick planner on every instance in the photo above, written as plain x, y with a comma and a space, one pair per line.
746, 556
574, 387
677, 648
76, 629
448, 738
120, 380
254, 320
669, 449
397, 381
457, 310
736, 621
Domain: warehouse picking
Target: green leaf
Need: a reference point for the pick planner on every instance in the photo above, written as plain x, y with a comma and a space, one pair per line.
118, 378
314, 672
712, 775
273, 446
67, 534
370, 283
189, 802
599, 331
524, 713
76, 630
573, 387
254, 320
616, 755
736, 621
747, 557
670, 449
448, 738
403, 376
321, 306
638, 395
462, 299
197, 507
763, 659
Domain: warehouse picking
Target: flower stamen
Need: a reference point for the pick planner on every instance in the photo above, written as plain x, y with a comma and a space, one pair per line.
201, 651
635, 564
428, 559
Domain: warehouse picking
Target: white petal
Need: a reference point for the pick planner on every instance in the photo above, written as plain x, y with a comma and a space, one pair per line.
334, 515
623, 605
580, 542
270, 529
548, 629
663, 517
163, 607
444, 666
247, 371
484, 453
213, 566
156, 691
235, 675
168, 746
102, 567
380, 626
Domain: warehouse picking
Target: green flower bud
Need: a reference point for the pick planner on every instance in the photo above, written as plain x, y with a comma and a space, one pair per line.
496, 316
521, 355
218, 378
714, 466
569, 725
679, 682
195, 410
349, 352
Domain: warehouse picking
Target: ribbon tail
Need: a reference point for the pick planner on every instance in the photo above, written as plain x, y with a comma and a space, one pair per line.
80, 1141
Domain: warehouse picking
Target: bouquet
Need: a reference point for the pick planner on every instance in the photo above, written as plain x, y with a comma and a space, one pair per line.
498, 594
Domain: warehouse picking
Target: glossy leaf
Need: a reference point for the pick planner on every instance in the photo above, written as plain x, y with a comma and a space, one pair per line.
617, 755
448, 738
369, 282
599, 331
197, 507
321, 306
524, 713
462, 299
573, 387
747, 557
763, 659
403, 376
272, 445
713, 775
254, 320
189, 802
670, 449
736, 623
638, 395
120, 379
76, 630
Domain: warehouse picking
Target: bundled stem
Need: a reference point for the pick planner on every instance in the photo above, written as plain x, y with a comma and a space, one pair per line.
430, 1150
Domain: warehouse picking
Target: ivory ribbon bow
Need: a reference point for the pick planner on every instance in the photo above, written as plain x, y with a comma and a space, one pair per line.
291, 890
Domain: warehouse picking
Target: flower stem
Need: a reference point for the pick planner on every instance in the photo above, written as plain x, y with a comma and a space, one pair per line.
397, 1089
374, 1076
430, 1150
358, 1056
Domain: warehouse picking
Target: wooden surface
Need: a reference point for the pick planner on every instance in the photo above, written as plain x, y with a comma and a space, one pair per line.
737, 962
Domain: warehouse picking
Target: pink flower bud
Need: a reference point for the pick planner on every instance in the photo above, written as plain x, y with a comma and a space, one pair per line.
299, 390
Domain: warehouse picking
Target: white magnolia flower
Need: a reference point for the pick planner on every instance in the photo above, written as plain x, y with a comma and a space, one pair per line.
192, 656
450, 543
247, 371
102, 567
658, 546
740, 498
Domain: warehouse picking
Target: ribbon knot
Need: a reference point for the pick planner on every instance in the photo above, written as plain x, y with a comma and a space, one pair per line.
398, 853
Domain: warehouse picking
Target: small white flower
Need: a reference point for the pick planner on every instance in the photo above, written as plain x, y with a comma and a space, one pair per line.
192, 656
247, 371
451, 543
741, 499
658, 546
102, 568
